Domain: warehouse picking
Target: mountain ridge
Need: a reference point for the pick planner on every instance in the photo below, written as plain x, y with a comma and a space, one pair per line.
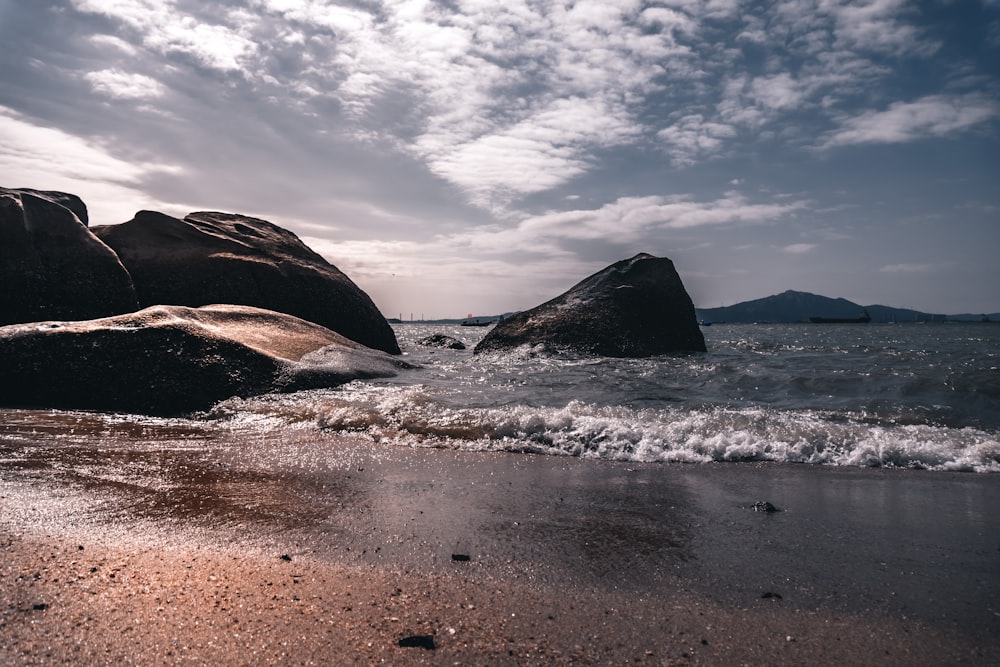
793, 306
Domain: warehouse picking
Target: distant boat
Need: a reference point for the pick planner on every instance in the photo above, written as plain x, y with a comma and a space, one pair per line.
864, 319
477, 323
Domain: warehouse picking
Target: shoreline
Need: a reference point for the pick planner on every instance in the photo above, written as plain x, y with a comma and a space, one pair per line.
570, 561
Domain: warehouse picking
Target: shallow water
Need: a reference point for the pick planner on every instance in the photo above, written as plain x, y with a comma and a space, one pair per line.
913, 395
918, 395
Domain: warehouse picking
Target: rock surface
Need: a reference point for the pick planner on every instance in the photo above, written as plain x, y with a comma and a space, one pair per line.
442, 341
634, 308
167, 360
213, 257
52, 266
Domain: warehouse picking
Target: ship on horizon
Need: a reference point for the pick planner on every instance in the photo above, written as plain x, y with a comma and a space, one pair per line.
865, 318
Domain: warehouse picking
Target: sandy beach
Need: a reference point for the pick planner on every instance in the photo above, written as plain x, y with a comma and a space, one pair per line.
387, 555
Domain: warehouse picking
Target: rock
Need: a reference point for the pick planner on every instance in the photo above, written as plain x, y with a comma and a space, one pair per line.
418, 641
225, 258
764, 506
64, 199
168, 360
634, 308
461, 558
442, 341
52, 266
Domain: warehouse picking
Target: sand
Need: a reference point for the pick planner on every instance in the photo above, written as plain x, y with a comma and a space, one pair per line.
155, 555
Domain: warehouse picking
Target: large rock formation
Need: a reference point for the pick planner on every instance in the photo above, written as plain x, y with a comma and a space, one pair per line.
51, 265
225, 258
169, 360
635, 308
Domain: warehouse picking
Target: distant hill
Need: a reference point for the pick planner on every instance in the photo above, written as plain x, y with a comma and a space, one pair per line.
792, 306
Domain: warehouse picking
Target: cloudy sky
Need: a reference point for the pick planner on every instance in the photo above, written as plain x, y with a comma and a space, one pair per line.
457, 156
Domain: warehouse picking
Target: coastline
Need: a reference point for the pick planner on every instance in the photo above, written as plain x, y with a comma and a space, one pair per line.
570, 561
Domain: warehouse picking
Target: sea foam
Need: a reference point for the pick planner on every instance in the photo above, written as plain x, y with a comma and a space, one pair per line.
422, 416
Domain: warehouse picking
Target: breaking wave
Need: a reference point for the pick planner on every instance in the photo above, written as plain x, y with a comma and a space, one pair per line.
421, 416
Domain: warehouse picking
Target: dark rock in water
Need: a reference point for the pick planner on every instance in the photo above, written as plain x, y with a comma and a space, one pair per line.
461, 558
635, 308
172, 360
52, 266
441, 340
418, 641
226, 258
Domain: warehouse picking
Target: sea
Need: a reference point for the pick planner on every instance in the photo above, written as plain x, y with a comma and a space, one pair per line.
914, 395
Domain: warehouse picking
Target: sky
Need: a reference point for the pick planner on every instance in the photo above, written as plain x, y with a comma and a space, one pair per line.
475, 156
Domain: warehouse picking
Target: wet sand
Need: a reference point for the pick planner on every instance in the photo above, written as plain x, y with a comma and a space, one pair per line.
187, 548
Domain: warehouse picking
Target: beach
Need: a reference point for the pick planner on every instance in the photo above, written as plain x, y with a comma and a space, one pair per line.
144, 553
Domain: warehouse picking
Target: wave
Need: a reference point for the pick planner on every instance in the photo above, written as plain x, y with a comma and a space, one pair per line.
424, 416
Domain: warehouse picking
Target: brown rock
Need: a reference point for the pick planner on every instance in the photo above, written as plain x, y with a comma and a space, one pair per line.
226, 258
52, 266
637, 307
173, 359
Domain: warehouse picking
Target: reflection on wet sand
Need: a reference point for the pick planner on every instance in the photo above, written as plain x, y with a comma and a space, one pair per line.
548, 548
407, 508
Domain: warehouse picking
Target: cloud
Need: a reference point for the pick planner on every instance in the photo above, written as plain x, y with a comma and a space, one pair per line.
502, 101
164, 28
632, 220
879, 25
908, 268
777, 91
117, 84
931, 116
629, 221
799, 248
692, 139
49, 159
541, 152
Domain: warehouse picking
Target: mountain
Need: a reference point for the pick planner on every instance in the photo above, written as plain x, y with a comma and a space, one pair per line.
792, 306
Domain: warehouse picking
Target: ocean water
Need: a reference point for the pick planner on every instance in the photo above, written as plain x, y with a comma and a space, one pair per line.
900, 395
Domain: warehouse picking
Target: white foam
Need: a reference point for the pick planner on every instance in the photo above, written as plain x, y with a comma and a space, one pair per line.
422, 416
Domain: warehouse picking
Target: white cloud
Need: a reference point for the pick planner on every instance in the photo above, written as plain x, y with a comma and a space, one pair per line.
631, 219
777, 91
49, 159
908, 268
114, 42
122, 85
542, 151
166, 29
799, 248
931, 116
692, 138
879, 25
502, 100
498, 255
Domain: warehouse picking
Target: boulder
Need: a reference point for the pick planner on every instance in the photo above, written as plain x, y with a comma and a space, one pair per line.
635, 308
52, 266
442, 341
226, 258
168, 360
